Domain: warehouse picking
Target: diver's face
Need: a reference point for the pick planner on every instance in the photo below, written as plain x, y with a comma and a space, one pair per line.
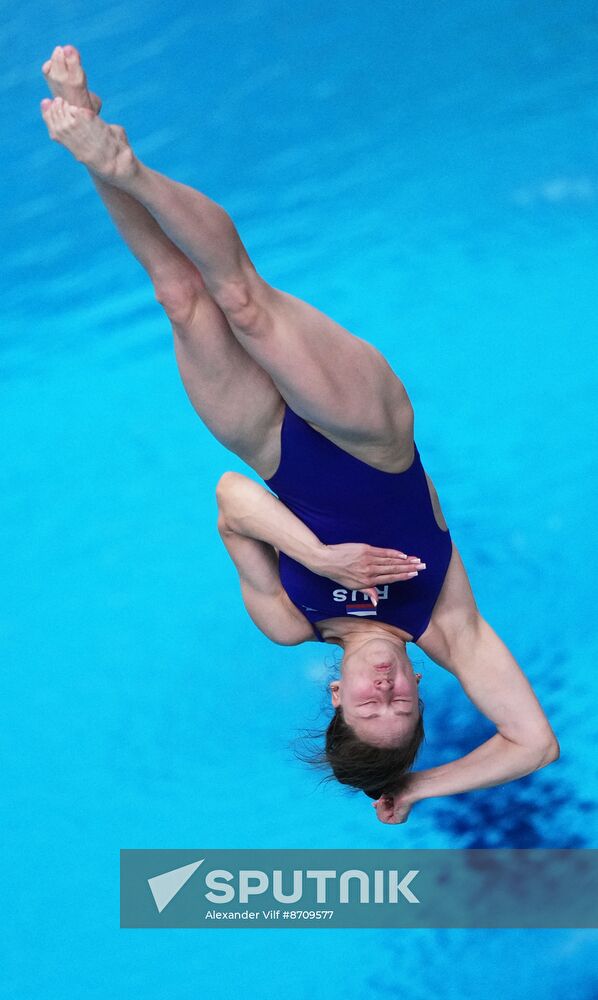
378, 692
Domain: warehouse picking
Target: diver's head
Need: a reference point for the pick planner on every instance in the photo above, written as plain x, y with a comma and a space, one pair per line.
377, 728
377, 692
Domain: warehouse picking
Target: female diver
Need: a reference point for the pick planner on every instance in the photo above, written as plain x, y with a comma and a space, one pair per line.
321, 417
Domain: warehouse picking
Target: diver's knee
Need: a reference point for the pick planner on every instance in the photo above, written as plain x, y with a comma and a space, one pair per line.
245, 301
179, 297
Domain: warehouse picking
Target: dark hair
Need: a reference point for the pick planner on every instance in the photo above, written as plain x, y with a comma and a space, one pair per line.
375, 770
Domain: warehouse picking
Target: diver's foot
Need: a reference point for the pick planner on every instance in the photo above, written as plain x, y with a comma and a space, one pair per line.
65, 77
103, 148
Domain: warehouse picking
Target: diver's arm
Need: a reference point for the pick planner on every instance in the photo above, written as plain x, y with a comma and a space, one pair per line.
265, 600
253, 512
493, 680
494, 762
250, 510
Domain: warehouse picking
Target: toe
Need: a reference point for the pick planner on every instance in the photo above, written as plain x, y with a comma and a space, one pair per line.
57, 110
65, 110
71, 55
47, 115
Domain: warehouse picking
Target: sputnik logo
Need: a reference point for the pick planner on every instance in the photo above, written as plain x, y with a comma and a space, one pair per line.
165, 887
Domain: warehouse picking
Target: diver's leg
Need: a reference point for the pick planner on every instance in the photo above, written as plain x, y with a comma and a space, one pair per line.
235, 398
331, 377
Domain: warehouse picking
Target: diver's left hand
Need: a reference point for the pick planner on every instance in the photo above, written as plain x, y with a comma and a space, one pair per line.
363, 567
394, 808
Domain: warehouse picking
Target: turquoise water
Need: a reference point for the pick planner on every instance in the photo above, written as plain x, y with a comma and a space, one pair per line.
427, 175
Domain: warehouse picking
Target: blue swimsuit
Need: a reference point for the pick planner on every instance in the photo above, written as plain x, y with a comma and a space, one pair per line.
342, 499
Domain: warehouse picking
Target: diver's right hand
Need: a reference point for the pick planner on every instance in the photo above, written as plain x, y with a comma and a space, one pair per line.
394, 808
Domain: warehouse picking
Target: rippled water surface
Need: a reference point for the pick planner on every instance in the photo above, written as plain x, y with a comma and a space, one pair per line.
425, 173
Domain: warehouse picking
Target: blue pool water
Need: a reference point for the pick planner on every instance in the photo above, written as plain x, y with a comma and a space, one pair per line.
425, 173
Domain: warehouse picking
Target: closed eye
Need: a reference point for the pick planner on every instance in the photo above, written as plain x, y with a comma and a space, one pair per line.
364, 703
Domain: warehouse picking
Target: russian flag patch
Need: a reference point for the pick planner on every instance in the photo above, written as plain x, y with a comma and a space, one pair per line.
361, 609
